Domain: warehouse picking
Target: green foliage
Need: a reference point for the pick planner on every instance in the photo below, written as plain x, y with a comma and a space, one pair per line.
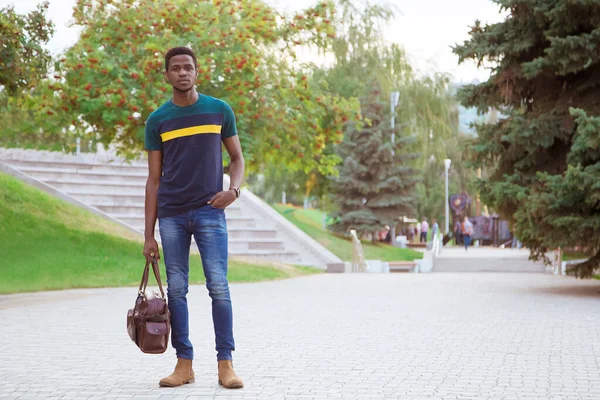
21, 124
47, 244
426, 111
542, 159
342, 246
376, 183
107, 84
426, 108
23, 65
360, 52
23, 60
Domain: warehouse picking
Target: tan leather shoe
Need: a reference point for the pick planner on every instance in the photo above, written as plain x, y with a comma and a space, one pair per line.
227, 377
183, 374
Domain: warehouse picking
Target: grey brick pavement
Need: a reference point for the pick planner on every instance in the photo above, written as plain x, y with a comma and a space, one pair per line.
399, 336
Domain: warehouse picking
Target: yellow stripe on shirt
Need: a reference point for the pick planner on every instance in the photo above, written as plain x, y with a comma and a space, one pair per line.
192, 130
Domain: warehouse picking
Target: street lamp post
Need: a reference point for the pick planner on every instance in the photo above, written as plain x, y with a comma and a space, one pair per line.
447, 163
394, 97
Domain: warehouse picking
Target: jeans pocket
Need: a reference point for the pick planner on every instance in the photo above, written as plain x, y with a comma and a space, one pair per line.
215, 208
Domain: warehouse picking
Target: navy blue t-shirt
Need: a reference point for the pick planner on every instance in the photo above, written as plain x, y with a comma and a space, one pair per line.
190, 139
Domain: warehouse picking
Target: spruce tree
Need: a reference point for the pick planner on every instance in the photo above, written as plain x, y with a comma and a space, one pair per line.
376, 184
543, 157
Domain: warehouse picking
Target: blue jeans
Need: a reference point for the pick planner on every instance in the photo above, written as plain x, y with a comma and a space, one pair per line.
467, 239
209, 228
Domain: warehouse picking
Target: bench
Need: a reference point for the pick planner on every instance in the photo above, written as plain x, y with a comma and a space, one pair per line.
417, 245
403, 266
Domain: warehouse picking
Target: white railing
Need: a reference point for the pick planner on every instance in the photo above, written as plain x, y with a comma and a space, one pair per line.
436, 245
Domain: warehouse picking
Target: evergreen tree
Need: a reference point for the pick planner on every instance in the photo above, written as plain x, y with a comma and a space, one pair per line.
543, 157
376, 183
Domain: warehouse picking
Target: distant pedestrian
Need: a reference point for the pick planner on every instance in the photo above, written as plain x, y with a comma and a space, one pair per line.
457, 233
467, 232
516, 243
434, 229
424, 230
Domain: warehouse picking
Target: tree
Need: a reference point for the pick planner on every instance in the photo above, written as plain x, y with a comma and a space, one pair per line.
426, 110
376, 184
542, 157
23, 64
360, 52
427, 106
107, 84
23, 60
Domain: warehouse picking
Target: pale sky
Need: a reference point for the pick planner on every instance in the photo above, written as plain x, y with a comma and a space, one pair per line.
426, 29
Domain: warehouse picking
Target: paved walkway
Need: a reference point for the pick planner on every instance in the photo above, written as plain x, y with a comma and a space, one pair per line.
401, 336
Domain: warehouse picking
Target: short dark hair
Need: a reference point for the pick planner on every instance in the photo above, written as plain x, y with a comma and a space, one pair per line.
177, 51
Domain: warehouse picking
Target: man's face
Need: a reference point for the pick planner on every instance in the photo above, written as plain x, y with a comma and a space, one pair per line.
182, 72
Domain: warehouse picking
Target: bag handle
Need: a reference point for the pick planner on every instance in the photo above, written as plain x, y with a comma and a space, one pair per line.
145, 276
144, 281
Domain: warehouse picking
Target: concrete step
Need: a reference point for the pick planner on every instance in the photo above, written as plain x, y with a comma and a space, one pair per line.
118, 189
248, 233
95, 196
233, 233
138, 220
138, 210
49, 174
243, 243
241, 222
113, 209
255, 244
486, 265
80, 166
112, 186
290, 256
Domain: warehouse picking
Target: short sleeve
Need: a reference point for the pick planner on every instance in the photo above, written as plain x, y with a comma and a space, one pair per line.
152, 140
229, 128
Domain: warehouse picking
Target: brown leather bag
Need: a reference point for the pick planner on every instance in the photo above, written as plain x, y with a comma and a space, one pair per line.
149, 322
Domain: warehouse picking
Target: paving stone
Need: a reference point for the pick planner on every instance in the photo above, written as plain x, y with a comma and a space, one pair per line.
408, 336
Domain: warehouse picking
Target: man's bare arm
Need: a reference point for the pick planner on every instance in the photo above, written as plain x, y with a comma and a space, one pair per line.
236, 166
236, 173
151, 203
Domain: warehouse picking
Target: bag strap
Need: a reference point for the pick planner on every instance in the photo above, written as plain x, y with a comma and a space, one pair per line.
144, 281
157, 276
146, 274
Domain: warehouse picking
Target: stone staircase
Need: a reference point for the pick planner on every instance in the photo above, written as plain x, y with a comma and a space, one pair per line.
455, 259
116, 189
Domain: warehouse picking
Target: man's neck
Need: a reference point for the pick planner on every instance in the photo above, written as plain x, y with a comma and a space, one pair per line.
184, 99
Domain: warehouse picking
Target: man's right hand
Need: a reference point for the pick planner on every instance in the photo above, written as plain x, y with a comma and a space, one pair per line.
151, 249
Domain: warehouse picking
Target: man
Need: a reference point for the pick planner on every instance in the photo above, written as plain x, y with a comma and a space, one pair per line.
458, 232
435, 229
185, 192
467, 231
424, 230
384, 235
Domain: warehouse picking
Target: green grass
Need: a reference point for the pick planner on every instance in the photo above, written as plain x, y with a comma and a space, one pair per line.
573, 255
310, 221
303, 269
48, 244
568, 256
